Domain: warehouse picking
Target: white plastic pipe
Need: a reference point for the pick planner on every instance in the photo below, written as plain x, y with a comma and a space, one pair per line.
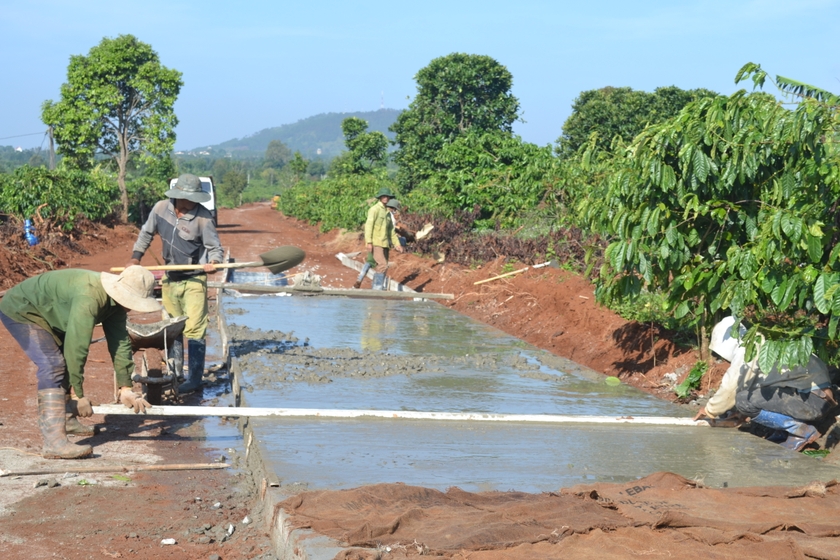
398, 414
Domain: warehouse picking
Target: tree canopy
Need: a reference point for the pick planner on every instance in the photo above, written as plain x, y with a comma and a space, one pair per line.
366, 151
455, 94
621, 112
495, 171
118, 102
731, 207
277, 155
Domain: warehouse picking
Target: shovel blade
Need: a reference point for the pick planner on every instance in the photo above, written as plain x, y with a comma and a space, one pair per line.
427, 229
282, 258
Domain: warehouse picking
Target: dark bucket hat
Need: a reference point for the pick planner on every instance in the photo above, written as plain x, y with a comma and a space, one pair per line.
384, 191
188, 186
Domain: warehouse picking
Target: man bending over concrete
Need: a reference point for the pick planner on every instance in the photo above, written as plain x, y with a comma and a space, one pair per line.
52, 317
784, 399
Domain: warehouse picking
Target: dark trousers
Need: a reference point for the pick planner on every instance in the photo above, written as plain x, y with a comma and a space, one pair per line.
805, 407
44, 352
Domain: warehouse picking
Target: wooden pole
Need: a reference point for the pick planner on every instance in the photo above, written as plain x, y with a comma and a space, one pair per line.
254, 264
118, 468
396, 414
501, 276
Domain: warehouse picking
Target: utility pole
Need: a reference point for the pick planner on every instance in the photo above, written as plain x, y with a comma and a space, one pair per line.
52, 147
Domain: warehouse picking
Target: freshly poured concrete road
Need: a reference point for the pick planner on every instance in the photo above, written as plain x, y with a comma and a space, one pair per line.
351, 354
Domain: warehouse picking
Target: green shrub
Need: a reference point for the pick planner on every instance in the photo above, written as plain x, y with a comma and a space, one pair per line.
64, 194
692, 380
340, 202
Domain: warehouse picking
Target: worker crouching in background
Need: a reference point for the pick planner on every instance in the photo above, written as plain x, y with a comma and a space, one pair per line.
784, 399
404, 234
52, 316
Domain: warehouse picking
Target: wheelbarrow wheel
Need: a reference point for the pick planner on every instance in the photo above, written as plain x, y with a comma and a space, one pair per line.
154, 365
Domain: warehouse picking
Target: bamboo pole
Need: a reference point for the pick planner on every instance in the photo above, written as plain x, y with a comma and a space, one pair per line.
396, 414
118, 468
501, 276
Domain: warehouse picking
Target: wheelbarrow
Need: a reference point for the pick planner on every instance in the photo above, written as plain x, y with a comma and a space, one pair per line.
151, 339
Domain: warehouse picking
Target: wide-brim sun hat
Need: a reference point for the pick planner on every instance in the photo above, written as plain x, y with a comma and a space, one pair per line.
188, 187
393, 203
384, 191
133, 288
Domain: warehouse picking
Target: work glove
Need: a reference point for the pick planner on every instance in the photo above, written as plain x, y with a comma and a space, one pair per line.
132, 400
81, 406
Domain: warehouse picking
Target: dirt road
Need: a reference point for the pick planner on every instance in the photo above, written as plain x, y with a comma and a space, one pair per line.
129, 515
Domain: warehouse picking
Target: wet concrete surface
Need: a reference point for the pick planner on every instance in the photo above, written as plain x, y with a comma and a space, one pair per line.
343, 353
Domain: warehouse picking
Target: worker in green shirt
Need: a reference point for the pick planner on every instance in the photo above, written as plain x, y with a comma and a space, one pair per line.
380, 236
52, 317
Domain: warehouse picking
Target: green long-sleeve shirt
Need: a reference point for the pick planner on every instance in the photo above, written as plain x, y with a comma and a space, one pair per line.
379, 227
68, 304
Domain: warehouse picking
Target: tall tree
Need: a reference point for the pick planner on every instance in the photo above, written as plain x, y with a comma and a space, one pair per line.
117, 102
731, 207
366, 151
277, 155
621, 112
455, 94
299, 165
233, 182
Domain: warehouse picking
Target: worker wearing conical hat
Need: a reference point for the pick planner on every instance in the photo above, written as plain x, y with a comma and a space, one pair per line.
52, 317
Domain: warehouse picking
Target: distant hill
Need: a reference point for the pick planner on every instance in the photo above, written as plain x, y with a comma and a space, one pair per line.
307, 136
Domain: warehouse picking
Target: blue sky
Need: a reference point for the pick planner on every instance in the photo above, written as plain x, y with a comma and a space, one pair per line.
256, 64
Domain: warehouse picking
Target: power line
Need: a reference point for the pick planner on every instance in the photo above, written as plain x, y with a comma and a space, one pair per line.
21, 135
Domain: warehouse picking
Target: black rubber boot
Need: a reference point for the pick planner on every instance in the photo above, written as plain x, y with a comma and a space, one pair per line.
175, 358
195, 354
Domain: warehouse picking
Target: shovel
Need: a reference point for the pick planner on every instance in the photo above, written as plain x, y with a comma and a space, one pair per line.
276, 260
427, 229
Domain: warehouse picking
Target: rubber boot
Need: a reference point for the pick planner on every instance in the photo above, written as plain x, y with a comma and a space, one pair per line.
175, 358
71, 421
800, 434
195, 370
378, 281
51, 411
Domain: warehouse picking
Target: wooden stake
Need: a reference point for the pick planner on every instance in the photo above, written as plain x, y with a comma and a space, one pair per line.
501, 276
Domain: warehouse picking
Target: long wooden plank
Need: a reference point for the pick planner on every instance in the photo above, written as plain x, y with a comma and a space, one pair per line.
118, 468
385, 294
202, 411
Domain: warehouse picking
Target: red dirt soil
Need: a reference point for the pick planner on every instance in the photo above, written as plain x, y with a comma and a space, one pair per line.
550, 308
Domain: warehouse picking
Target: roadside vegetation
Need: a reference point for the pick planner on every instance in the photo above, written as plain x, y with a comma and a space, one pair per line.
681, 206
